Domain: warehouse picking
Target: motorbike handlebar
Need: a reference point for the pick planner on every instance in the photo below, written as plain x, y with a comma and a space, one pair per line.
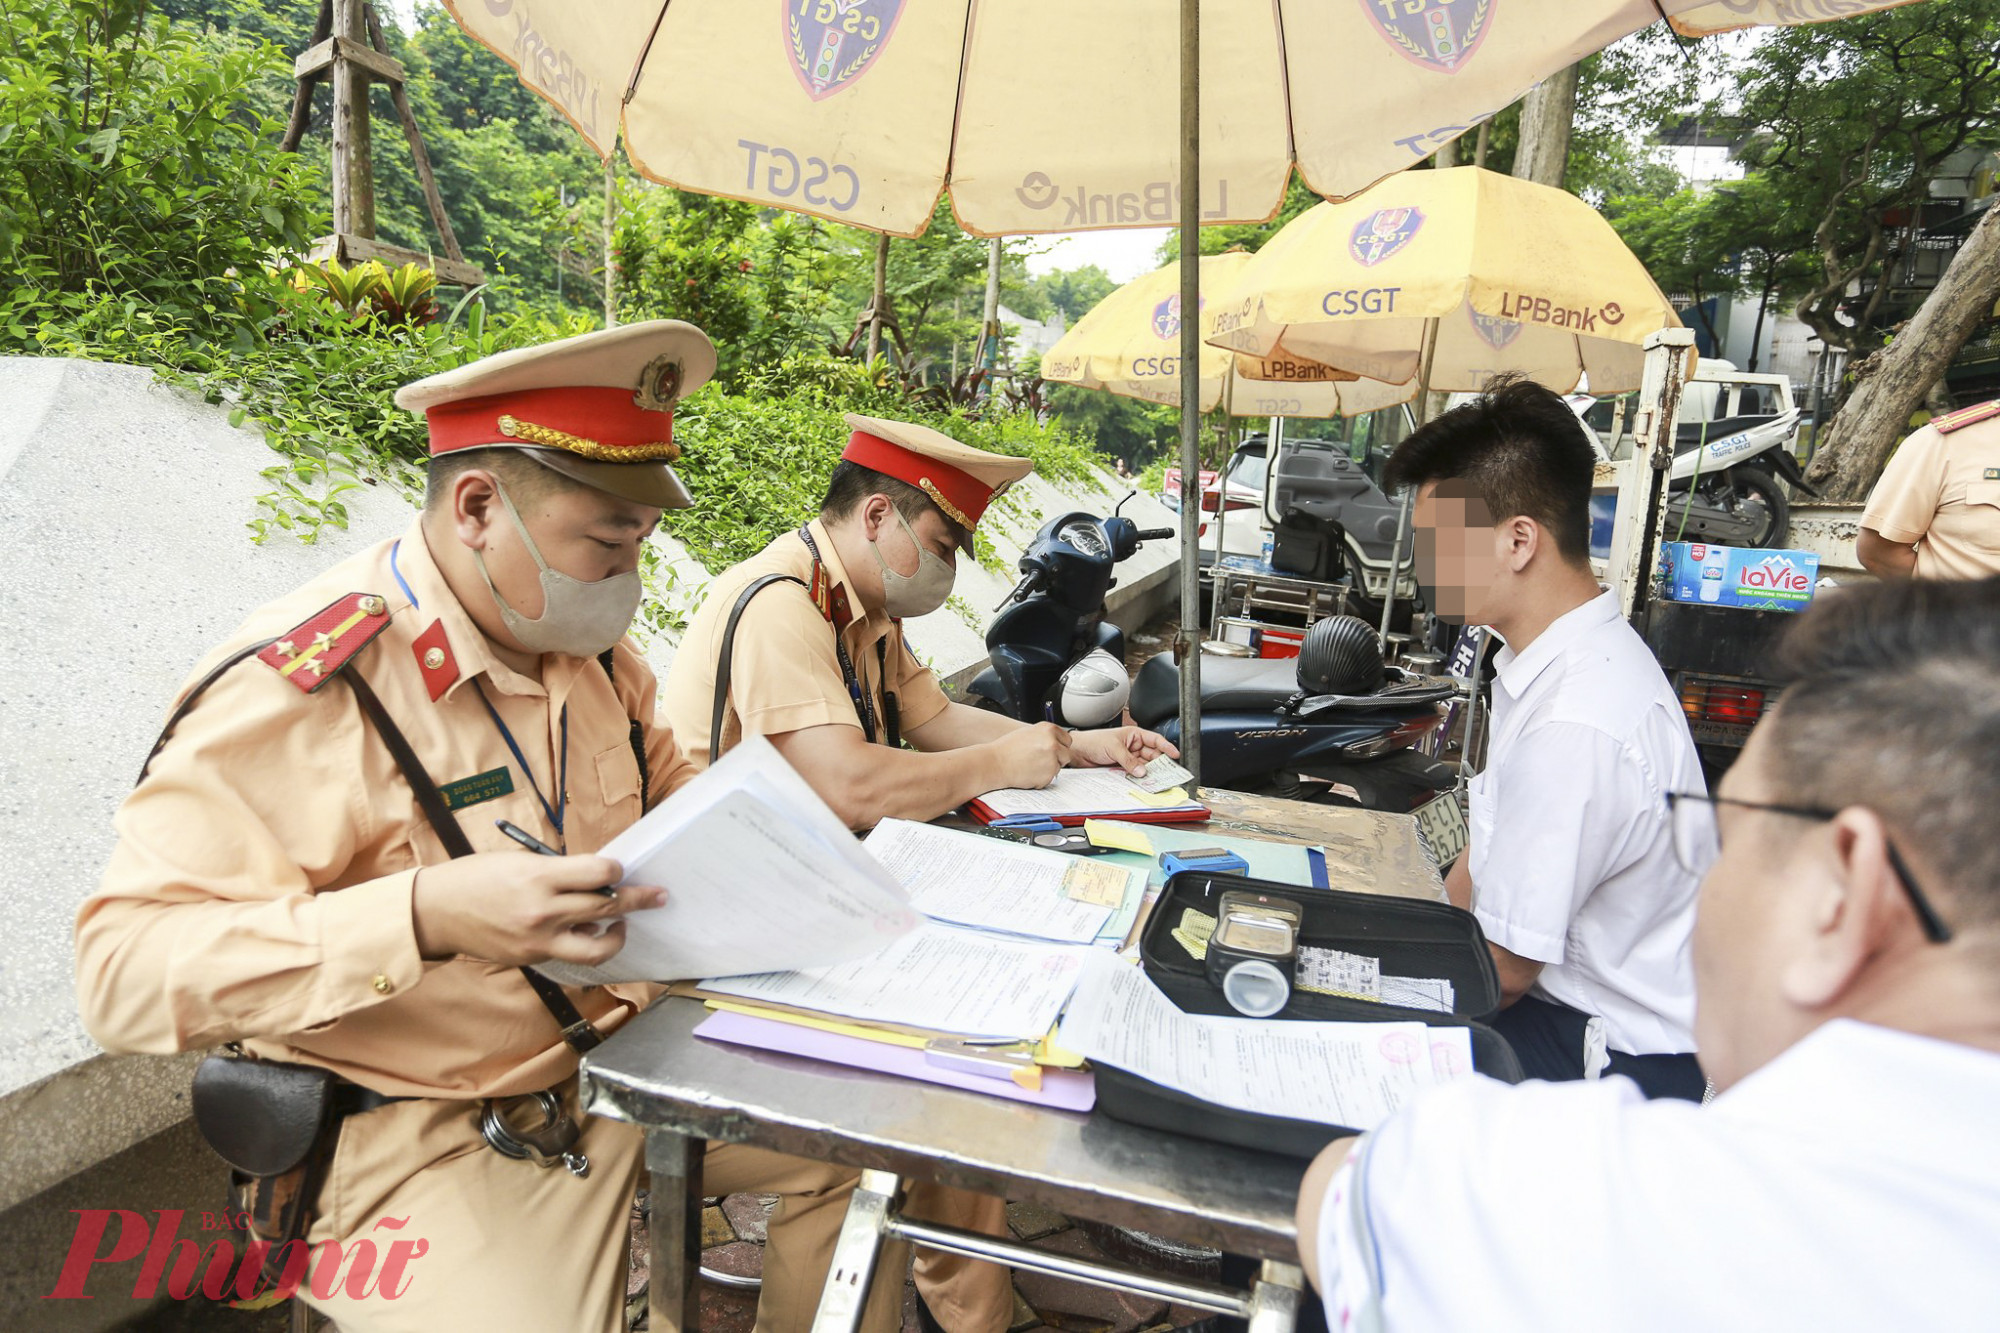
1156, 534
1028, 580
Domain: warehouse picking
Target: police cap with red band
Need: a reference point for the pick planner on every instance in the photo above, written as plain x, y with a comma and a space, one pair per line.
960, 480
598, 408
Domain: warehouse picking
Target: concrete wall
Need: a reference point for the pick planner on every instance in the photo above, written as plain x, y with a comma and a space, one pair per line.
126, 556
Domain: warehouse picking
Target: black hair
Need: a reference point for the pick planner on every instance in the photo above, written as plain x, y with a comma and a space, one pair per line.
1892, 702
1519, 448
524, 478
851, 484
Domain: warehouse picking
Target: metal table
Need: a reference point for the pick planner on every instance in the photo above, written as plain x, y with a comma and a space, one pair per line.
682, 1091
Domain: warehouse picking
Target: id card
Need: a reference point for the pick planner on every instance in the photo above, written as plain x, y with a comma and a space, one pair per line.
1162, 774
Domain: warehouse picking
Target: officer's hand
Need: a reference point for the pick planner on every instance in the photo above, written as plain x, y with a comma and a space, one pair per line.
1033, 755
517, 908
1129, 748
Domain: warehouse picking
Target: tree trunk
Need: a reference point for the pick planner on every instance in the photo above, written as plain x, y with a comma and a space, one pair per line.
1447, 156
1890, 384
880, 298
1547, 114
1763, 305
1479, 144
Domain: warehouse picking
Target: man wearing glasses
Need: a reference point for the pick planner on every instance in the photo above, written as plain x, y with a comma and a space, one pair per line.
1847, 965
1570, 868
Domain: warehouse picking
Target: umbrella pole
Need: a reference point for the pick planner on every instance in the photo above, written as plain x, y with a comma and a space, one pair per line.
1190, 525
1417, 418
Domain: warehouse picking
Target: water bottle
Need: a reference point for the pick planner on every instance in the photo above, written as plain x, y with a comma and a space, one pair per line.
1270, 541
1713, 562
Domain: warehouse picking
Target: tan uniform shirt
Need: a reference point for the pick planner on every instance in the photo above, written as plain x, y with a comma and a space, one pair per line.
1941, 494
261, 885
784, 674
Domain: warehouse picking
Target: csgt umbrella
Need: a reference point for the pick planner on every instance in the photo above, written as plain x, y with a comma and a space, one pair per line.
1129, 344
1473, 272
1048, 115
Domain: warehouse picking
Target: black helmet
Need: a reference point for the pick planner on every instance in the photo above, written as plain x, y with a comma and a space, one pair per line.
1340, 655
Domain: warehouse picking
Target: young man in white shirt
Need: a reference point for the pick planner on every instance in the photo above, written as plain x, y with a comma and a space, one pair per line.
1847, 959
1570, 869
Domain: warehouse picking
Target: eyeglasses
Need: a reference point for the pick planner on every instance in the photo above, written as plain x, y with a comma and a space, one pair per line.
1698, 841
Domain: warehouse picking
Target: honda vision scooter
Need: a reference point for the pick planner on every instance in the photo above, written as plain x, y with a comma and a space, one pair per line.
1334, 724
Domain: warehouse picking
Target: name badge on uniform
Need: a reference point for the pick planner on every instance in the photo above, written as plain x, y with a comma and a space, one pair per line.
487, 786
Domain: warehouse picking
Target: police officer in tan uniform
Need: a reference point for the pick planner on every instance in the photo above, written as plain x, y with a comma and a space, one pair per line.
819, 663
276, 885
1935, 512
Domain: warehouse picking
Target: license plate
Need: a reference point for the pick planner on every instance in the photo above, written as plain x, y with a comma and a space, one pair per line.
1443, 825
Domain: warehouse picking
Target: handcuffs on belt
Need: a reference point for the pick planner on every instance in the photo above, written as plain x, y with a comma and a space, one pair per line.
547, 1144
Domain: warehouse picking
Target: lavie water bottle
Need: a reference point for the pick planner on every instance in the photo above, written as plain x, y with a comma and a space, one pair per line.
1712, 566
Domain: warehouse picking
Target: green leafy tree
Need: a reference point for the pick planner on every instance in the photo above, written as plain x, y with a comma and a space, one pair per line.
131, 165
1075, 291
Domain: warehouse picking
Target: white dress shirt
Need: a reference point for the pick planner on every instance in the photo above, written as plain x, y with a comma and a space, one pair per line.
1851, 1184
1572, 855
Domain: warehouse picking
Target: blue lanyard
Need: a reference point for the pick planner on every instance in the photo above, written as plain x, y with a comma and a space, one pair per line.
554, 812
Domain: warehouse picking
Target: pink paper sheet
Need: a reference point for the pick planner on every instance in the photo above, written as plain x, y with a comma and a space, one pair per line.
1064, 1089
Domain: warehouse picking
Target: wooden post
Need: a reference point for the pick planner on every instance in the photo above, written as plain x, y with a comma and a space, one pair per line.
353, 171
1479, 146
989, 327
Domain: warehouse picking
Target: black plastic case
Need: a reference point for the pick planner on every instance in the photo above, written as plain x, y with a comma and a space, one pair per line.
1412, 938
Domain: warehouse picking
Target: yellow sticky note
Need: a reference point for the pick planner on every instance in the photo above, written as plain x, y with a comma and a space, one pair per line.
1096, 883
1118, 837
1161, 799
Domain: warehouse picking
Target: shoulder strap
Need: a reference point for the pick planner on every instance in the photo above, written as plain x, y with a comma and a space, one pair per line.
188, 701
638, 735
576, 1029
722, 659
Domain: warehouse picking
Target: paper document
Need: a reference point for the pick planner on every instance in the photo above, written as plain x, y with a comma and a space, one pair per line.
1076, 791
970, 879
1162, 774
1348, 1074
760, 875
936, 977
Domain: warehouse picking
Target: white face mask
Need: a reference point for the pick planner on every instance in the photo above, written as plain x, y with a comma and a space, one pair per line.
578, 619
917, 594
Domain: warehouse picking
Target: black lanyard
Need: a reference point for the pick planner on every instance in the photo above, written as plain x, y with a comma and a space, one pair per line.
555, 811
864, 702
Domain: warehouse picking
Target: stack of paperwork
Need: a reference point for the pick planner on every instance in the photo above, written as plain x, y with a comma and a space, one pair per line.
760, 875
1348, 1074
1078, 794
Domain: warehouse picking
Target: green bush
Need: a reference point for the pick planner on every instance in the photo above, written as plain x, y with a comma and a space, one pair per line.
133, 171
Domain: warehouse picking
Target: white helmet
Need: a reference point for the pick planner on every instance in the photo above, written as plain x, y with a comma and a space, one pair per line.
1092, 693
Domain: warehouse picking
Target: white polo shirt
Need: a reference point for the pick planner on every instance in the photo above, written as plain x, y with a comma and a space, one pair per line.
1572, 855
1851, 1184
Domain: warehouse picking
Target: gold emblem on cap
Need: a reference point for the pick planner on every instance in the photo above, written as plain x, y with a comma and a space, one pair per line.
659, 384
434, 658
658, 451
951, 511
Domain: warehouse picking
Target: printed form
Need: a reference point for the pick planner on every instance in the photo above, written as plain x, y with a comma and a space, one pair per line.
1348, 1074
972, 880
936, 977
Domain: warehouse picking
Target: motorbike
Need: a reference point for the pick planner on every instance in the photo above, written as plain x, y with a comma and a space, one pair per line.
1723, 486
1054, 656
1268, 726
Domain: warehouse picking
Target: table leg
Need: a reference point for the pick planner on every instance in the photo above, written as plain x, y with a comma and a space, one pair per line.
854, 1253
1275, 1297
673, 1295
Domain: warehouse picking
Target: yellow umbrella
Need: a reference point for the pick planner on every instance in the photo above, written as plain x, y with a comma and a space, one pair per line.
1129, 344
1048, 115
1450, 277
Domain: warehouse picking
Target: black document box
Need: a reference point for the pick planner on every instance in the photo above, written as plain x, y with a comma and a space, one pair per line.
1412, 938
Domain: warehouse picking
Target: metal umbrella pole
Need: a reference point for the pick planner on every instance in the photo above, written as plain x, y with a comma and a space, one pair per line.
1190, 223
1417, 418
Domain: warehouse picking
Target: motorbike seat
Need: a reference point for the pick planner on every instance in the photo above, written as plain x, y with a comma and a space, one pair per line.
1247, 684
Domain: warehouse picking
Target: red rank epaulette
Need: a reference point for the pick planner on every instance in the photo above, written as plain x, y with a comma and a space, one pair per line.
434, 657
1966, 416
310, 655
831, 599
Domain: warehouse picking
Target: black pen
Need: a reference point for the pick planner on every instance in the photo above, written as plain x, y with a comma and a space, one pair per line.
540, 848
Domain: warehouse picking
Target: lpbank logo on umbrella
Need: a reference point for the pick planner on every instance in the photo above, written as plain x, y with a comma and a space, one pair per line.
1440, 35
833, 42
